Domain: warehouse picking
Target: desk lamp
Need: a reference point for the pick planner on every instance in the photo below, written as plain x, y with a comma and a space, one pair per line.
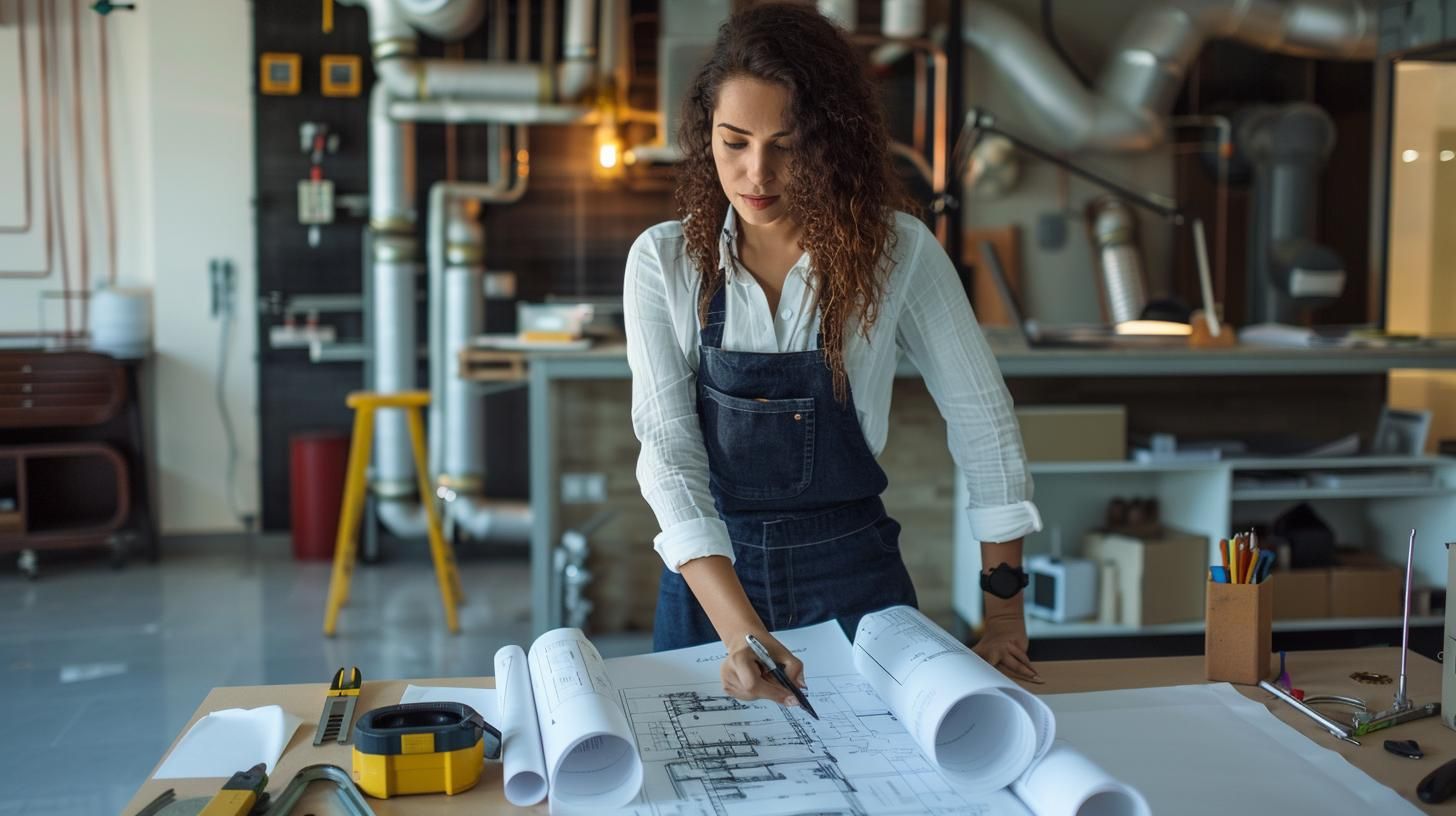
979, 122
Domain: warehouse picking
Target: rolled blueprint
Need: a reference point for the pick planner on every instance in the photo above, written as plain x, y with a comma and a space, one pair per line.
1066, 783
523, 763
982, 730
591, 758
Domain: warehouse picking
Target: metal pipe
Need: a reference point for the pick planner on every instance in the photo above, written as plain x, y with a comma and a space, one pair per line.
442, 195
484, 519
443, 19
1136, 91
409, 77
1401, 700
843, 12
902, 18
479, 111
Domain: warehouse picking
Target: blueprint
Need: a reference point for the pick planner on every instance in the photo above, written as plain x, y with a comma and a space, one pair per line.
704, 752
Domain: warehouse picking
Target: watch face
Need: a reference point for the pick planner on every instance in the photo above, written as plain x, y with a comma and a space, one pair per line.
1004, 583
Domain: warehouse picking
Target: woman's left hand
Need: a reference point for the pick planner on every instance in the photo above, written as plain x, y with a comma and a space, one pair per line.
1003, 645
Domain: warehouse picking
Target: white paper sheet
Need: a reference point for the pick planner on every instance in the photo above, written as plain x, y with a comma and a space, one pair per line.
1207, 749
823, 648
484, 701
524, 765
1066, 783
591, 758
231, 740
980, 728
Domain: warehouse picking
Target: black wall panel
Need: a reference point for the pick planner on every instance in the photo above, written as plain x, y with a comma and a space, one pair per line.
568, 236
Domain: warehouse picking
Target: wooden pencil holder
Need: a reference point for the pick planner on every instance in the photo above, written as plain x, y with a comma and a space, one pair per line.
1237, 626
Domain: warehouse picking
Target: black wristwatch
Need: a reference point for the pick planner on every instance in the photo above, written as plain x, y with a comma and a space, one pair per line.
1004, 581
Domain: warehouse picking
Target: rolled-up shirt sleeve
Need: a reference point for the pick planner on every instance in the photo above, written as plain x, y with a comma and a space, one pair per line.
672, 468
940, 335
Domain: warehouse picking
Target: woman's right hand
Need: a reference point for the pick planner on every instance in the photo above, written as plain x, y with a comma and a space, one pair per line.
746, 679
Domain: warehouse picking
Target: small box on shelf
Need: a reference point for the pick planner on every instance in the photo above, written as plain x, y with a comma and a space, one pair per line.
1159, 579
1303, 594
1363, 585
1073, 433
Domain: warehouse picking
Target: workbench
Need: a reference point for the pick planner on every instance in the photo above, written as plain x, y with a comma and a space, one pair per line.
545, 370
1322, 672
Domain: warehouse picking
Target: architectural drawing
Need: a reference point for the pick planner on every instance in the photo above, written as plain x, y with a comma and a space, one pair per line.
707, 752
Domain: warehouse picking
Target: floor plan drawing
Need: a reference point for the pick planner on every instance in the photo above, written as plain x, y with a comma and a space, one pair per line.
704, 751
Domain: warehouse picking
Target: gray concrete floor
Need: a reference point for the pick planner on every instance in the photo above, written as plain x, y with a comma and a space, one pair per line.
101, 668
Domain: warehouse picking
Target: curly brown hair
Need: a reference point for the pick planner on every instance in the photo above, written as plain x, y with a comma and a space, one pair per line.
840, 153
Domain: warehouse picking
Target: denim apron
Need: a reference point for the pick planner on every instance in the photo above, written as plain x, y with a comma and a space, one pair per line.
795, 482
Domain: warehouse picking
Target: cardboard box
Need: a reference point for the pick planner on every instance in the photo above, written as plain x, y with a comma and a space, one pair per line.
1367, 592
1159, 580
1302, 594
11, 522
1073, 433
1238, 637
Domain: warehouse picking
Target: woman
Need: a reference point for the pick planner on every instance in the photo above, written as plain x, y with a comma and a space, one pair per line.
762, 332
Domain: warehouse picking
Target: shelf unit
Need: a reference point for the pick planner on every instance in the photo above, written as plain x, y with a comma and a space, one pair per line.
1198, 497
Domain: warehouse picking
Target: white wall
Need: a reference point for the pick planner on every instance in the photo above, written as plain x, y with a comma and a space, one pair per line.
182, 136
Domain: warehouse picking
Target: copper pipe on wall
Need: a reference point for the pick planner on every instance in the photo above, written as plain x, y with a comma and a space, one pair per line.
109, 191
45, 140
79, 154
940, 153
25, 146
51, 26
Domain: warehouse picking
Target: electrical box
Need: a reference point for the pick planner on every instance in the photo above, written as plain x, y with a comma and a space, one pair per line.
341, 74
316, 202
280, 74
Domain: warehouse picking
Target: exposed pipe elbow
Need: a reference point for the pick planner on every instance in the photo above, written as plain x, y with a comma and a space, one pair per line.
1146, 72
503, 522
402, 75
444, 19
1068, 116
405, 518
1329, 29
574, 78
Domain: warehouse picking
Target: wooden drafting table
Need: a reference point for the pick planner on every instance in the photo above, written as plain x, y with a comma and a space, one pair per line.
1321, 672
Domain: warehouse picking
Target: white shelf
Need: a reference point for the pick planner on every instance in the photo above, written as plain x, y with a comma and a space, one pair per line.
1121, 466
1236, 465
1087, 629
1304, 493
1339, 462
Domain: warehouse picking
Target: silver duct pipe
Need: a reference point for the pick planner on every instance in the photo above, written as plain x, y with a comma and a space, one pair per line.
409, 77
462, 461
1136, 91
393, 269
471, 111
444, 19
446, 198
487, 520
1114, 234
394, 361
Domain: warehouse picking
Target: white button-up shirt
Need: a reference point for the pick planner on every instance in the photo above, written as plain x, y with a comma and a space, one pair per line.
924, 313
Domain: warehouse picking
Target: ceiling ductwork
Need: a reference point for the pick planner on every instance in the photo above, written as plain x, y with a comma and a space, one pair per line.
1127, 109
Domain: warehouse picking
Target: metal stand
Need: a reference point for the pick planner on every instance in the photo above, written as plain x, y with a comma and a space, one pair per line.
1401, 709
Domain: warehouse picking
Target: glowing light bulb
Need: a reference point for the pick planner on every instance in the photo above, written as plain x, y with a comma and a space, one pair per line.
1409, 156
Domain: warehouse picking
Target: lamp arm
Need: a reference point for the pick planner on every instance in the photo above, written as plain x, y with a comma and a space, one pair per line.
980, 120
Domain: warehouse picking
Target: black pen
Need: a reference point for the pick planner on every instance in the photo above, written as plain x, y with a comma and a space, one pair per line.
777, 670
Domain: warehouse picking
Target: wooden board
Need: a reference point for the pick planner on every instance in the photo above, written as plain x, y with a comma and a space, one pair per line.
985, 300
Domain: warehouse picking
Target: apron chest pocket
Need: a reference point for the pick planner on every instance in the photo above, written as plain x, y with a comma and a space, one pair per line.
758, 449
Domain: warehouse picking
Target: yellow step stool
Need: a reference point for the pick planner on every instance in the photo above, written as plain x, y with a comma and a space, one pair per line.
365, 405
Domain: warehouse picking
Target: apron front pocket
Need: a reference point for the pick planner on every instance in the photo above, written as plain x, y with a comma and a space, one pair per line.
758, 449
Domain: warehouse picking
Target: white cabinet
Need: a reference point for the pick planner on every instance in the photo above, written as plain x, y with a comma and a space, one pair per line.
1370, 501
